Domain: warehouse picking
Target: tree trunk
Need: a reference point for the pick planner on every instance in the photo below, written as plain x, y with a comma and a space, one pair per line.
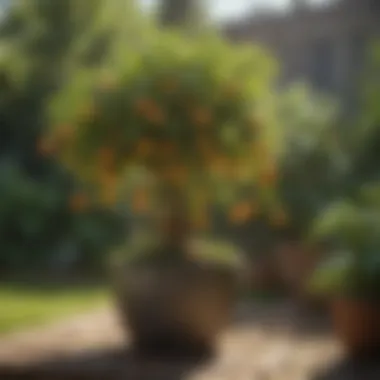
173, 221
175, 12
182, 13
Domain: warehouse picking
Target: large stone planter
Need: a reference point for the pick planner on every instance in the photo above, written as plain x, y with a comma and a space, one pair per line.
356, 323
178, 308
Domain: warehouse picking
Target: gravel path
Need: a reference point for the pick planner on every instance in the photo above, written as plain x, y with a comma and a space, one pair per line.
261, 346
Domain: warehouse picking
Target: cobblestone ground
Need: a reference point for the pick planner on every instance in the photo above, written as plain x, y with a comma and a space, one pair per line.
261, 346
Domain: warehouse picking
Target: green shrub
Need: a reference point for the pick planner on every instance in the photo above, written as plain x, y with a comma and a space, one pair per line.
352, 229
352, 226
313, 162
36, 223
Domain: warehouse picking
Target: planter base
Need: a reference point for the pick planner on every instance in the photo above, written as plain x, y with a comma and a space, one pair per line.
162, 347
176, 311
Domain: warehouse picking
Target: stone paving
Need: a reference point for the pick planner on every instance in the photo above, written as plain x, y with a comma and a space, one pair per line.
262, 345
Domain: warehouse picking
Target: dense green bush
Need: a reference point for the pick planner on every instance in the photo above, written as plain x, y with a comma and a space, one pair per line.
352, 230
42, 43
42, 225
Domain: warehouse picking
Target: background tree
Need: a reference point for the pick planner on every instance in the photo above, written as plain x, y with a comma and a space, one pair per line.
43, 44
45, 41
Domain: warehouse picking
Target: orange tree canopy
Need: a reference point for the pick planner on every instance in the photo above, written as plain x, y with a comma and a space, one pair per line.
187, 110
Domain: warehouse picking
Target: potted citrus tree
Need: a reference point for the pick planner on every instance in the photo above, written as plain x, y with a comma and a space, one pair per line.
189, 116
350, 276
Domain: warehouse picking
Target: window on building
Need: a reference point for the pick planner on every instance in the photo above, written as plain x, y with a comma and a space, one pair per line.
322, 65
358, 57
374, 5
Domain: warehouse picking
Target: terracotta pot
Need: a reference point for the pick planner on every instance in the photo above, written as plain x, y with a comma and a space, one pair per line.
357, 324
296, 263
176, 309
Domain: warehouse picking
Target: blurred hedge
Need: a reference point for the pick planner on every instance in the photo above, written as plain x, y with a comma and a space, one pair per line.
45, 225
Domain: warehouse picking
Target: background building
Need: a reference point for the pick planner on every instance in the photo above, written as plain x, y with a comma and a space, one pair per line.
324, 46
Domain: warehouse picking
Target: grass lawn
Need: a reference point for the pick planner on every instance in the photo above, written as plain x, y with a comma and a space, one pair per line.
27, 306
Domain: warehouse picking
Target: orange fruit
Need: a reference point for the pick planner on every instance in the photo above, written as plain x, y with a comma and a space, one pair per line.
268, 176
241, 212
201, 222
106, 158
169, 149
107, 179
46, 147
170, 85
176, 174
144, 148
140, 202
78, 202
260, 150
142, 105
222, 166
279, 218
65, 133
201, 117
155, 115
231, 90
109, 192
206, 150
148, 109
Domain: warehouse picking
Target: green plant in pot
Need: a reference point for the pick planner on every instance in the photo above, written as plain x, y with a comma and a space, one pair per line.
312, 165
189, 114
350, 277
